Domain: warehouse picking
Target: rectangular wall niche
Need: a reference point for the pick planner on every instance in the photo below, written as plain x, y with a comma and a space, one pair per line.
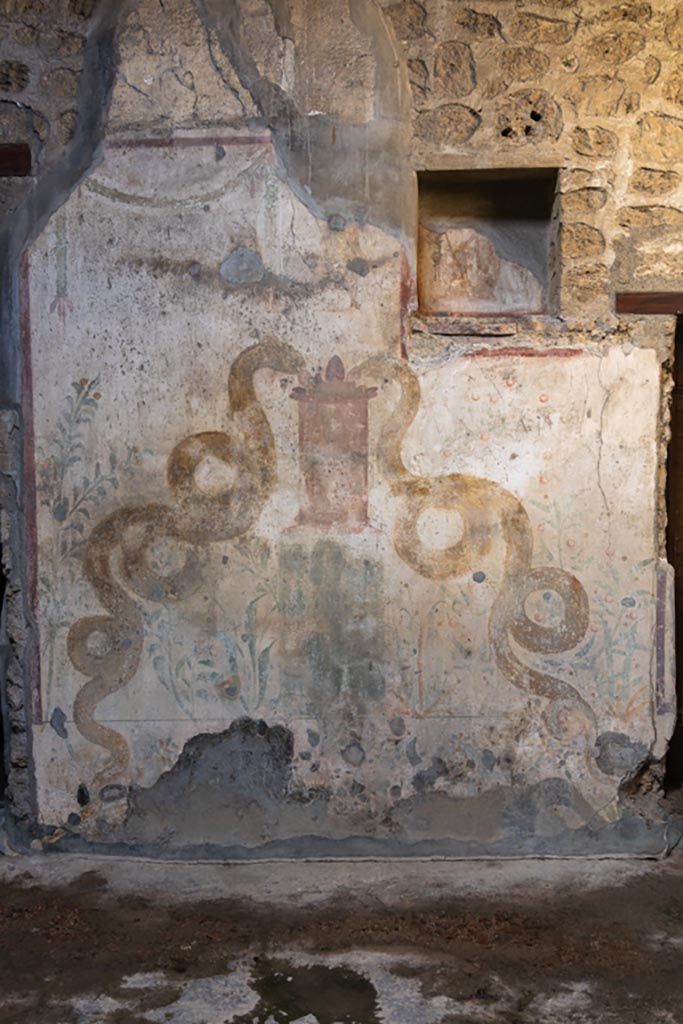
484, 240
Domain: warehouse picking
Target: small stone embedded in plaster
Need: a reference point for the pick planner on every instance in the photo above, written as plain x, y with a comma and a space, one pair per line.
618, 754
243, 266
654, 181
524, 62
479, 25
529, 116
69, 44
583, 200
408, 19
58, 723
358, 266
454, 73
220, 152
479, 576
313, 737
66, 126
14, 76
336, 222
62, 82
673, 89
597, 95
659, 137
449, 125
534, 28
83, 795
596, 142
194, 270
617, 47
353, 753
411, 753
427, 778
650, 217
113, 791
73, 819
628, 602
488, 759
579, 241
626, 11
398, 726
81, 8
418, 76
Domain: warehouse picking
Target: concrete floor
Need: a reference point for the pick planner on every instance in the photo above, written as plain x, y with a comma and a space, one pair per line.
90, 940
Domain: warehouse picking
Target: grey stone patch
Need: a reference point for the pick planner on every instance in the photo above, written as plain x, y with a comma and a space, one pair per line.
313, 737
194, 269
353, 753
358, 266
243, 266
58, 723
113, 791
411, 753
428, 776
488, 759
220, 152
619, 755
397, 726
336, 222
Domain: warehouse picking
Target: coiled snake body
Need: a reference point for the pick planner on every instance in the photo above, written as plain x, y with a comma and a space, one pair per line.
484, 507
107, 648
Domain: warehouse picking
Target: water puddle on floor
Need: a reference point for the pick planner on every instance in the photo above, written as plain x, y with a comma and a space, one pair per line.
311, 995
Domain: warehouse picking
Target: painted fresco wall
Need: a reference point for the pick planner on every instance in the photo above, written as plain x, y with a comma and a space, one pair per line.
314, 572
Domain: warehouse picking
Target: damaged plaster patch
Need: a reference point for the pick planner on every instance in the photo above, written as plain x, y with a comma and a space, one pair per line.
242, 266
620, 755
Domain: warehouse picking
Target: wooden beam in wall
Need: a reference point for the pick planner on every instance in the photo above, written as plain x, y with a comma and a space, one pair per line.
15, 160
654, 303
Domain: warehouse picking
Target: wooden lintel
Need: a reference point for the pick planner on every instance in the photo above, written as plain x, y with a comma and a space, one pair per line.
15, 160
653, 303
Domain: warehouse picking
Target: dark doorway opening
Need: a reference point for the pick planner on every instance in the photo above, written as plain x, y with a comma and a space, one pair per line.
674, 506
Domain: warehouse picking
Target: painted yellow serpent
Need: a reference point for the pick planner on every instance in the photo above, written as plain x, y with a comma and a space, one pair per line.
107, 648
485, 507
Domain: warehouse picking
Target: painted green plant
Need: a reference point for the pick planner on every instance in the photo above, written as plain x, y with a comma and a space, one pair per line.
71, 483
234, 662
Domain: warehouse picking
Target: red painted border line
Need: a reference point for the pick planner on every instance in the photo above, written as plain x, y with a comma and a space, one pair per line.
539, 353
29, 482
180, 143
653, 303
405, 294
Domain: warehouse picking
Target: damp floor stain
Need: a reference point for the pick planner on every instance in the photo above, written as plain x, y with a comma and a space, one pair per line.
110, 946
328, 995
